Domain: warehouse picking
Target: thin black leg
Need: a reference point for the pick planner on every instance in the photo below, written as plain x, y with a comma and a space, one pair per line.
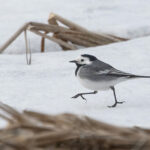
81, 94
116, 102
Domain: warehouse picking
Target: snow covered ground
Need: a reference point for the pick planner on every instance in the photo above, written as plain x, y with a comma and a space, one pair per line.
49, 83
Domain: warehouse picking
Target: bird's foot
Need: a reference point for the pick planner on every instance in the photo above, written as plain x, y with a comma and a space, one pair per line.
114, 105
81, 95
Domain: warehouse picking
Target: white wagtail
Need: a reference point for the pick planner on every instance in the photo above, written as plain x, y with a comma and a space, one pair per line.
96, 75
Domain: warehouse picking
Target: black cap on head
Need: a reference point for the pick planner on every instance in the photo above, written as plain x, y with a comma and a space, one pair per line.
91, 58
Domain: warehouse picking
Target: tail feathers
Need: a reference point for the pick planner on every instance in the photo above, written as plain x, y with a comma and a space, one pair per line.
138, 76
119, 73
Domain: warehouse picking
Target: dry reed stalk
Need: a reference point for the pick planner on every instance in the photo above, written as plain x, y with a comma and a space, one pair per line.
43, 43
48, 27
53, 22
13, 37
76, 27
66, 22
36, 131
59, 41
75, 40
71, 33
28, 50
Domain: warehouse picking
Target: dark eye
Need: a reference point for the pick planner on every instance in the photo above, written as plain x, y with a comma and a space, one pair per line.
82, 60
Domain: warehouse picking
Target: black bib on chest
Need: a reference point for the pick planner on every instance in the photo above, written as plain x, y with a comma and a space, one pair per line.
77, 69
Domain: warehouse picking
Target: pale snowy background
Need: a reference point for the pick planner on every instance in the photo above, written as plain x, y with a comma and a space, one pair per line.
49, 82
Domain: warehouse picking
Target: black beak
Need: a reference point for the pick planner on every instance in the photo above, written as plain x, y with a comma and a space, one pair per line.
73, 61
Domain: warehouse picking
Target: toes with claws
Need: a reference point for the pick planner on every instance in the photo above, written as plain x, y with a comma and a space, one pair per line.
76, 96
114, 105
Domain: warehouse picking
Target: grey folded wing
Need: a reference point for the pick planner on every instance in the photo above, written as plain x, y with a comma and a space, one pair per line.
102, 71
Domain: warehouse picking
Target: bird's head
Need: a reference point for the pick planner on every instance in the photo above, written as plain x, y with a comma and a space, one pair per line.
84, 59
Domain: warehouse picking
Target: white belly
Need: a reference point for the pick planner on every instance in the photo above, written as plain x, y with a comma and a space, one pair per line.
97, 86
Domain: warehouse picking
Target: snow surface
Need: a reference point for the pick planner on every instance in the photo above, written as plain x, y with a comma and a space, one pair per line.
49, 83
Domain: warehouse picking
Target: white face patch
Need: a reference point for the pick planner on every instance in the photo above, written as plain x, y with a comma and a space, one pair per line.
83, 60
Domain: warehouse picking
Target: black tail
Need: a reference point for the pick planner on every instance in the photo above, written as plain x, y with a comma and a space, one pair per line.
138, 76
127, 75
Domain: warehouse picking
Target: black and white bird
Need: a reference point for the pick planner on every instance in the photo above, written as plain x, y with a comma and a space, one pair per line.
96, 75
